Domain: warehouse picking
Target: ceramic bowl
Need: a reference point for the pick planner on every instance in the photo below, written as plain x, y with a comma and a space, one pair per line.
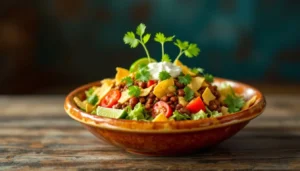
170, 137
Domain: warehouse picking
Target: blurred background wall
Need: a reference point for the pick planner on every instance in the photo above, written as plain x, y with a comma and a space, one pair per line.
52, 46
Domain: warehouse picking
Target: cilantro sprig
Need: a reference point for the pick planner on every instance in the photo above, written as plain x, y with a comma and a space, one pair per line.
162, 39
130, 38
185, 79
163, 75
134, 91
234, 102
209, 78
143, 73
189, 93
188, 49
128, 81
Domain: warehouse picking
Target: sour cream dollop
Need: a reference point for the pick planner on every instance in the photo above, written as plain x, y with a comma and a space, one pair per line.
156, 67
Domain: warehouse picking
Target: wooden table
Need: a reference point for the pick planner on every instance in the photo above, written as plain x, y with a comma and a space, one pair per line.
36, 134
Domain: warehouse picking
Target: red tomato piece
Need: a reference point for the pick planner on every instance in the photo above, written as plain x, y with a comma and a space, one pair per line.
162, 107
111, 98
150, 83
196, 105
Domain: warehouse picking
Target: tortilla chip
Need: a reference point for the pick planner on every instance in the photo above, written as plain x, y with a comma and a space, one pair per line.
160, 118
224, 110
186, 70
161, 88
196, 84
89, 108
182, 101
108, 81
79, 103
121, 73
249, 103
207, 96
146, 91
124, 97
103, 90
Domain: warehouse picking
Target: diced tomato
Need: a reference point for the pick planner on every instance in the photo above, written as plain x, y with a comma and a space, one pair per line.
150, 83
111, 98
162, 107
196, 105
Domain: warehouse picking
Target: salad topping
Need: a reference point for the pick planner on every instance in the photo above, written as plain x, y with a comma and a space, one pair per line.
161, 91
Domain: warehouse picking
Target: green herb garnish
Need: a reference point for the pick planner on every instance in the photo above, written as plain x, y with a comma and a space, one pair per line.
134, 91
234, 102
197, 70
93, 99
160, 37
130, 38
209, 78
186, 79
166, 58
163, 75
89, 92
128, 81
143, 75
189, 93
189, 50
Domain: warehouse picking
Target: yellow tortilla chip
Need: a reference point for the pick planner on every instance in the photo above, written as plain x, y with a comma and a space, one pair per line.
121, 73
124, 97
89, 108
196, 84
108, 81
182, 101
161, 88
79, 103
102, 91
249, 103
184, 68
146, 91
207, 96
224, 110
160, 118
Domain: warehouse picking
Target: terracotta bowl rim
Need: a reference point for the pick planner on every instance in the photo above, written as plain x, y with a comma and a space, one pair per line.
168, 126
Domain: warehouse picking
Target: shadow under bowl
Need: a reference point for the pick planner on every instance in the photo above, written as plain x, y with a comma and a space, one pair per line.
170, 137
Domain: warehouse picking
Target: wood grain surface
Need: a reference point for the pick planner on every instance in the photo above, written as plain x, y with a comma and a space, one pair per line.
36, 134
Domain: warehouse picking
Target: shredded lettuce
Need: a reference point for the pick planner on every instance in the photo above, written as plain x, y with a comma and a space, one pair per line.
199, 115
178, 116
137, 113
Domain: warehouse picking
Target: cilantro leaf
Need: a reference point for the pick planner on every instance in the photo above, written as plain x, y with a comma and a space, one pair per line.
93, 99
186, 79
192, 50
209, 78
160, 37
134, 91
197, 70
130, 39
146, 38
163, 75
140, 30
178, 116
128, 80
143, 75
189, 93
234, 102
165, 58
182, 45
